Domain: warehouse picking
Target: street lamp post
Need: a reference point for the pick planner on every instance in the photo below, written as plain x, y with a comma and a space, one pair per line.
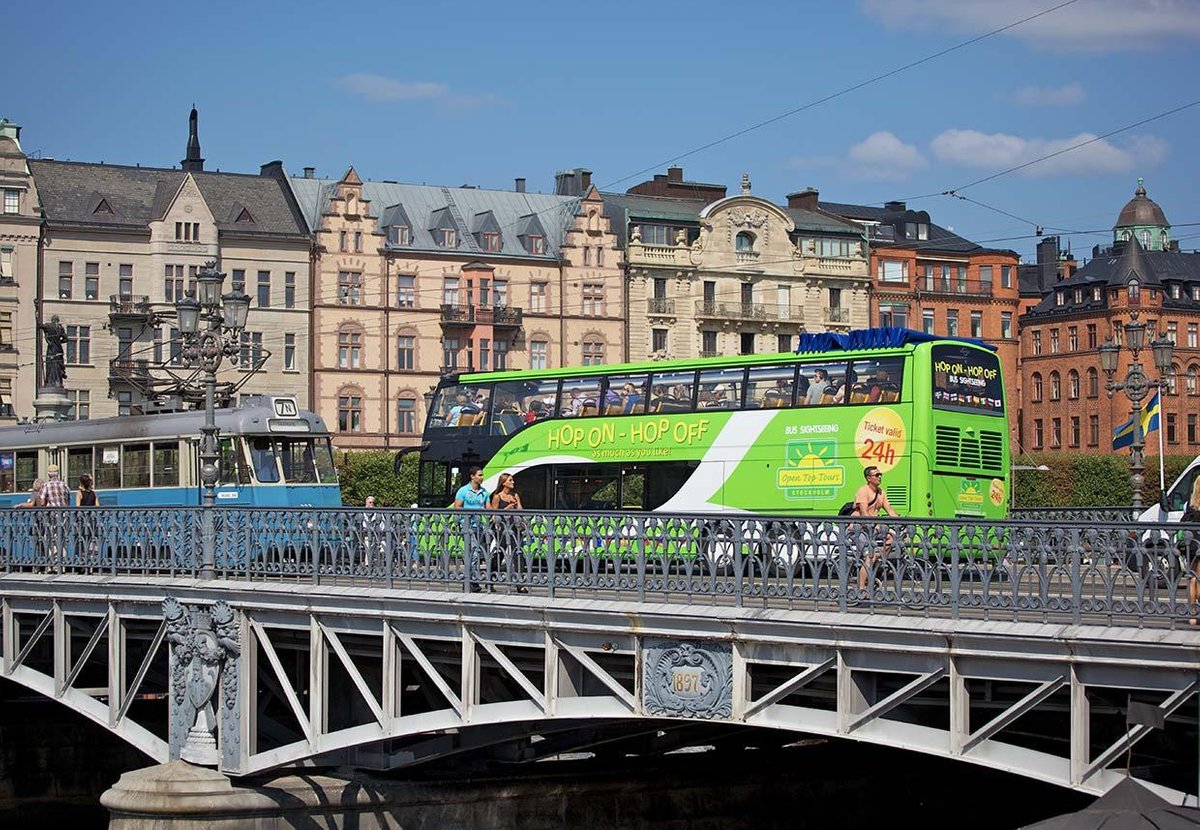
224, 318
1136, 385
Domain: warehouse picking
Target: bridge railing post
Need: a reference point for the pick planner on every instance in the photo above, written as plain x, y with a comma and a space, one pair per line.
640, 538
1076, 576
956, 566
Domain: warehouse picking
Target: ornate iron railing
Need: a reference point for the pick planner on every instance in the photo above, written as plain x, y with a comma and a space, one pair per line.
1097, 573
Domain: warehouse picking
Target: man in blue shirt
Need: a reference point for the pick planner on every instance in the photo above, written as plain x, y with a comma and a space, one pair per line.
472, 496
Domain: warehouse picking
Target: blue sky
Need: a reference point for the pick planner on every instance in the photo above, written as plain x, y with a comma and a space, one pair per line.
480, 93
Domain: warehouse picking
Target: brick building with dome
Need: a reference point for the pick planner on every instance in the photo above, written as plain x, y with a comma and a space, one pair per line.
1063, 403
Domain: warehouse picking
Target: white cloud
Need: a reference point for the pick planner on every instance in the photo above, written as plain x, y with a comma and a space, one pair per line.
1049, 96
884, 157
379, 89
1090, 25
997, 151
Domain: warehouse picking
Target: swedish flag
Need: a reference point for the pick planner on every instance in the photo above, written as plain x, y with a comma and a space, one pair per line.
1151, 419
1151, 415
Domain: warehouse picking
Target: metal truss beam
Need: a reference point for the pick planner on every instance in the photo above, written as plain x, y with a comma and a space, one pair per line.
1009, 715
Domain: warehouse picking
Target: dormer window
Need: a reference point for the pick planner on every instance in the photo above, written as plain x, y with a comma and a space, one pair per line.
537, 244
399, 235
1078, 295
445, 237
1175, 292
1196, 292
490, 241
1134, 290
1059, 299
1146, 239
1096, 294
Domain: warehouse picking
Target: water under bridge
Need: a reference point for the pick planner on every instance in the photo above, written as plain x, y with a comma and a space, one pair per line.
1058, 649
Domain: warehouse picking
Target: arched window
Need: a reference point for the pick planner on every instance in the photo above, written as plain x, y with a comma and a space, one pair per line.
350, 408
1093, 383
1037, 386
1191, 379
1134, 290
406, 412
1146, 239
1172, 379
593, 352
1055, 386
1073, 385
349, 349
744, 242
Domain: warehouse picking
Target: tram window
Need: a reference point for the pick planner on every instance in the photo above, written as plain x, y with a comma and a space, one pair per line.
326, 471
232, 466
108, 468
27, 469
8, 479
166, 464
262, 457
878, 380
296, 454
721, 388
631, 395
79, 461
521, 402
672, 391
135, 465
770, 387
580, 397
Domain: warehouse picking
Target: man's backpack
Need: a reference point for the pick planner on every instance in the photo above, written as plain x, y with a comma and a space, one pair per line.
847, 509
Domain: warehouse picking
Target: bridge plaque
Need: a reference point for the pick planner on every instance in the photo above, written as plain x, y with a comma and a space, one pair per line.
687, 679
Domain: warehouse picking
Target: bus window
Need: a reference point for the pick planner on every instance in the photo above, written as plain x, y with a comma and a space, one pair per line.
879, 380
230, 463
262, 458
664, 480
966, 380
721, 389
826, 383
166, 464
520, 402
770, 387
8, 479
672, 392
296, 454
633, 488
580, 397
326, 471
135, 465
108, 468
459, 406
79, 461
587, 487
631, 390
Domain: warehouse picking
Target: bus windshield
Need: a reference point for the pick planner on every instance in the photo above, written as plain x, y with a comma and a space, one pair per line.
966, 380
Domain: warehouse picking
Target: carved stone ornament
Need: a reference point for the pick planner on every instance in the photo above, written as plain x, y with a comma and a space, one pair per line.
205, 646
687, 679
747, 218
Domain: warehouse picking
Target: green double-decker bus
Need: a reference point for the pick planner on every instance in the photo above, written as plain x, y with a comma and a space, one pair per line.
775, 434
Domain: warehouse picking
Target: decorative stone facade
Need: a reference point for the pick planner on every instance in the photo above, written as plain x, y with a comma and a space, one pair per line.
20, 230
740, 275
416, 281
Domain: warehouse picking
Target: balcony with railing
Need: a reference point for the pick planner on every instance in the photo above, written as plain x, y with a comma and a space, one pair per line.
837, 315
129, 307
660, 305
955, 286
127, 370
745, 256
749, 311
507, 317
453, 314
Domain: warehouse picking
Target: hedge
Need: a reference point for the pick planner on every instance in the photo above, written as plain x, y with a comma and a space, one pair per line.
372, 473
1080, 480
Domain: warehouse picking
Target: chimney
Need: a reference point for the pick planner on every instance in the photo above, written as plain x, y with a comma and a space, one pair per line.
309, 171
585, 177
805, 199
1047, 262
674, 174
271, 168
193, 163
562, 184
519, 184
895, 207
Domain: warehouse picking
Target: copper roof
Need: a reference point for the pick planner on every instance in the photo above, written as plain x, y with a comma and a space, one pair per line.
1141, 210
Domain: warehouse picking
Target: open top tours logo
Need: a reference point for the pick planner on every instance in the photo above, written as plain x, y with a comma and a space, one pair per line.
810, 470
970, 496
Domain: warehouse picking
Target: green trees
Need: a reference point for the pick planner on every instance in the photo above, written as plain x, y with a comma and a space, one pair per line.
371, 473
1079, 480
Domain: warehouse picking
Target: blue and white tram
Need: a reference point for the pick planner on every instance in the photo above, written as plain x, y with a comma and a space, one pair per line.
272, 454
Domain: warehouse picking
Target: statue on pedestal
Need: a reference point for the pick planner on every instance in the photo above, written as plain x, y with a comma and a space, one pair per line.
55, 367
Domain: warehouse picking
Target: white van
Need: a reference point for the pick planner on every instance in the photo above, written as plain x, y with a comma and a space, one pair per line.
1177, 497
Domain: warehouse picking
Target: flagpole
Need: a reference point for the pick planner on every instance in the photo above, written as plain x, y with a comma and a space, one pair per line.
1162, 471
